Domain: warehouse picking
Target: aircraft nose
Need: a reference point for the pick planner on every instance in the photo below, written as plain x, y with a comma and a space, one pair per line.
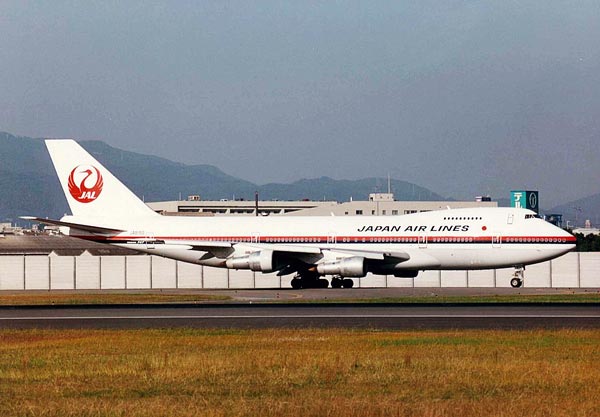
569, 238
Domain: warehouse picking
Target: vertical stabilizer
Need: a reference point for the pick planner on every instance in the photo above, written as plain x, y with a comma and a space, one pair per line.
91, 190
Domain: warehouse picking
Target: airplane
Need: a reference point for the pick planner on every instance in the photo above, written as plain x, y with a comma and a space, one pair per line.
104, 210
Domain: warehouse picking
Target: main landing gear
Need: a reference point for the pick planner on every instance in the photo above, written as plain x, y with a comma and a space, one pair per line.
312, 280
340, 282
309, 280
518, 277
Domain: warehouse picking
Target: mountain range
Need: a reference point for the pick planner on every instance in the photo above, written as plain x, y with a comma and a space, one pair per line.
578, 211
28, 184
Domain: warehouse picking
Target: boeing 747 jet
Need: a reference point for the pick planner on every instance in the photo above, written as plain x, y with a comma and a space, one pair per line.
104, 210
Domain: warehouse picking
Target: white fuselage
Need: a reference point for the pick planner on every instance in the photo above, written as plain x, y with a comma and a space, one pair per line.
475, 238
105, 210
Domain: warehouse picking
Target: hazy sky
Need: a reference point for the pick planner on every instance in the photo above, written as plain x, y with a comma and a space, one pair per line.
462, 97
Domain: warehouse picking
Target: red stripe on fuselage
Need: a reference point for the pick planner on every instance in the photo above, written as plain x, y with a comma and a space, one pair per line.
343, 239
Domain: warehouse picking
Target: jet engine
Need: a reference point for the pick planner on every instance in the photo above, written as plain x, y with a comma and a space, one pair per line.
261, 261
355, 266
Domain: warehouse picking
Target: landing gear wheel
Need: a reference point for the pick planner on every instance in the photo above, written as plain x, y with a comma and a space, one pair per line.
516, 282
322, 283
336, 282
518, 277
308, 279
347, 283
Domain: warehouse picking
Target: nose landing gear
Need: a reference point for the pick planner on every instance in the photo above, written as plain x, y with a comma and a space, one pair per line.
518, 277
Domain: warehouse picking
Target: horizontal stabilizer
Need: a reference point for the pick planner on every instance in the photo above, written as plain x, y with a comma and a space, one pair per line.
84, 227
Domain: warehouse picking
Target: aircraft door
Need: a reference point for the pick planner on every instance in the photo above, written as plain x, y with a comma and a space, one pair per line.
150, 242
422, 241
331, 238
496, 241
255, 238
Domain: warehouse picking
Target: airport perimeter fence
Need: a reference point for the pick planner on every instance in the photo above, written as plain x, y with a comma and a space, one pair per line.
87, 272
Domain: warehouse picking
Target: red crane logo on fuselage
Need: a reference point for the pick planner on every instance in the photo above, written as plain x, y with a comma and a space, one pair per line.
80, 180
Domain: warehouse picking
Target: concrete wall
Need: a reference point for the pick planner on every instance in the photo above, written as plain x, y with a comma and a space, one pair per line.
37, 272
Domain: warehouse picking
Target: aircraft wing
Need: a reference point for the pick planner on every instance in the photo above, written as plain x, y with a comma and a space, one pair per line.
315, 250
220, 249
223, 249
202, 245
301, 252
277, 247
398, 256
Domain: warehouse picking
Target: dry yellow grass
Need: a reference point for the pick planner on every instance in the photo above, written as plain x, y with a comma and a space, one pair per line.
74, 298
299, 373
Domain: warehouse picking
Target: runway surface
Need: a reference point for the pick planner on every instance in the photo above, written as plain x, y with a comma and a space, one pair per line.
305, 315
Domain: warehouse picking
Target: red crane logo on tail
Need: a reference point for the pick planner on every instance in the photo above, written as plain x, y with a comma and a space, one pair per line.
79, 182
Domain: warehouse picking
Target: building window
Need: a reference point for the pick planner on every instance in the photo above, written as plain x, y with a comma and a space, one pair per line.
394, 212
383, 212
372, 212
359, 212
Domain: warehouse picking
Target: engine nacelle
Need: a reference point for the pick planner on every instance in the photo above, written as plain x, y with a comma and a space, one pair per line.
347, 267
261, 261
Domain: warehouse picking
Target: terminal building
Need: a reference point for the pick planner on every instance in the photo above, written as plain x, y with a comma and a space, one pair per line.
379, 204
587, 229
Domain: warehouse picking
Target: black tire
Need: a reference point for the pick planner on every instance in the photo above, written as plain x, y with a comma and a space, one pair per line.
336, 283
322, 283
310, 283
516, 283
296, 283
347, 283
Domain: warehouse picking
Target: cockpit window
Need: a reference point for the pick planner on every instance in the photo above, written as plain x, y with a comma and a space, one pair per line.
533, 216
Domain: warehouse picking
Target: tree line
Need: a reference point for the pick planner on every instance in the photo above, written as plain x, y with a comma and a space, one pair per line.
589, 243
